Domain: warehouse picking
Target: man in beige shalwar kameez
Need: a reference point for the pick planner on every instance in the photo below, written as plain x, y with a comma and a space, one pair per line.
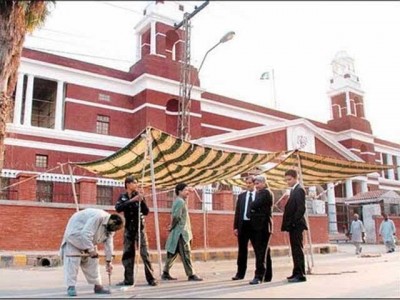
86, 229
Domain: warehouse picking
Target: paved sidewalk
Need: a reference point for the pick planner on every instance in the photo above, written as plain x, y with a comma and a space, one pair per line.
52, 259
341, 274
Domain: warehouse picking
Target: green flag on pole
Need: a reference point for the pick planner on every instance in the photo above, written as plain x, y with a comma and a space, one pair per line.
265, 76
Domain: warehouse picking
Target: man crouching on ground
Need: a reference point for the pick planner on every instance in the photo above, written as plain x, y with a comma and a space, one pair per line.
86, 229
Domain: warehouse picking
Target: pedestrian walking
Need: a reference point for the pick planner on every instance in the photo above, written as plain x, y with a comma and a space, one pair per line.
357, 233
387, 231
180, 236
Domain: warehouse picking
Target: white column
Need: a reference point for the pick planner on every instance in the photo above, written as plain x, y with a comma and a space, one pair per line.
18, 99
153, 38
28, 101
349, 188
207, 197
364, 186
390, 162
398, 167
348, 103
59, 106
332, 209
138, 47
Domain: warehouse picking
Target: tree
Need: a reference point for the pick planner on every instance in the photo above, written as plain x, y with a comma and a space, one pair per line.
17, 18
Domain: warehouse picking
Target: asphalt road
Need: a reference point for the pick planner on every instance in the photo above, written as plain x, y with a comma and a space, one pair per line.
336, 275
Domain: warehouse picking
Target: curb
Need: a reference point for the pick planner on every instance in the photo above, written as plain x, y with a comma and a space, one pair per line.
53, 260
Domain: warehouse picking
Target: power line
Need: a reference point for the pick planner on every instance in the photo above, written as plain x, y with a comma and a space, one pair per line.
81, 54
67, 41
65, 33
49, 39
123, 8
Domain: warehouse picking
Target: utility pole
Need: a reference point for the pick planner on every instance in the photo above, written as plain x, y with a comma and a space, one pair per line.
185, 84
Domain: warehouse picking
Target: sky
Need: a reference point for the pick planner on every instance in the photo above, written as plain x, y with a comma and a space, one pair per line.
297, 39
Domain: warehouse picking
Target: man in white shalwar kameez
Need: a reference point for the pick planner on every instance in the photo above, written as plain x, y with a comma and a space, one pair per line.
86, 229
357, 233
387, 231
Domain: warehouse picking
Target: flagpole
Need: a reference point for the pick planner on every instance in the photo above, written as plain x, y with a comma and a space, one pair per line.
273, 89
274, 103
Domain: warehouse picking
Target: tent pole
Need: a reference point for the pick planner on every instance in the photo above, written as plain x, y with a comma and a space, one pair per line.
205, 252
73, 187
155, 206
308, 235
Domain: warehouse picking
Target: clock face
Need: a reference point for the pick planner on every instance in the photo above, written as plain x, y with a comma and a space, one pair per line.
342, 67
299, 138
338, 68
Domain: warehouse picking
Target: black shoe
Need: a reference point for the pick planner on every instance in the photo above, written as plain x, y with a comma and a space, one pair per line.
237, 277
99, 289
166, 276
267, 279
153, 282
195, 278
298, 279
255, 281
124, 283
291, 277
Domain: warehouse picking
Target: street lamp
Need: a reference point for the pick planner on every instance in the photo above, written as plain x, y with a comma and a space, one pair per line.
227, 37
184, 106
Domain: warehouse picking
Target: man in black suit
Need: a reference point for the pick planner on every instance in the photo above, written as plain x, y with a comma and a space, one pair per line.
261, 223
294, 222
242, 227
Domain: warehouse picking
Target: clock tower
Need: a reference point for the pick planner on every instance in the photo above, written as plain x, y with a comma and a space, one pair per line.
346, 96
347, 108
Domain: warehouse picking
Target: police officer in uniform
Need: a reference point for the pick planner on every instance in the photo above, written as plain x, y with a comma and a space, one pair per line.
129, 203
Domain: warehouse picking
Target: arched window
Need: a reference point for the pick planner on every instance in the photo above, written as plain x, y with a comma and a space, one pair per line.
172, 42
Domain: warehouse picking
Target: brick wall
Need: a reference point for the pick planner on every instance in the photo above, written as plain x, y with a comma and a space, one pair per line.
40, 226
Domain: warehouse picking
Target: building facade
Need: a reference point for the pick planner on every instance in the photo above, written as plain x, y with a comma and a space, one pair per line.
71, 111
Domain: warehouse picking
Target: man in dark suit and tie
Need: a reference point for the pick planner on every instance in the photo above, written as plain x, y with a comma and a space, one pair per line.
261, 223
242, 227
294, 222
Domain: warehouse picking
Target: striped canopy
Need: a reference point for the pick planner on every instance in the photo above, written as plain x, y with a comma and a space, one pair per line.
176, 160
314, 169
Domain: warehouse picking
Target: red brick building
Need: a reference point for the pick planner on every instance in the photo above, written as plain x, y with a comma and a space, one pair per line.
70, 110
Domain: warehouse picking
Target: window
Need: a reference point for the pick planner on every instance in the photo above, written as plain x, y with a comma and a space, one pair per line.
104, 97
44, 191
394, 209
385, 162
44, 103
4, 194
103, 124
104, 195
41, 161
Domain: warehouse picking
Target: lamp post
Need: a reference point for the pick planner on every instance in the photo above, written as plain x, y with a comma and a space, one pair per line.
185, 113
227, 37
